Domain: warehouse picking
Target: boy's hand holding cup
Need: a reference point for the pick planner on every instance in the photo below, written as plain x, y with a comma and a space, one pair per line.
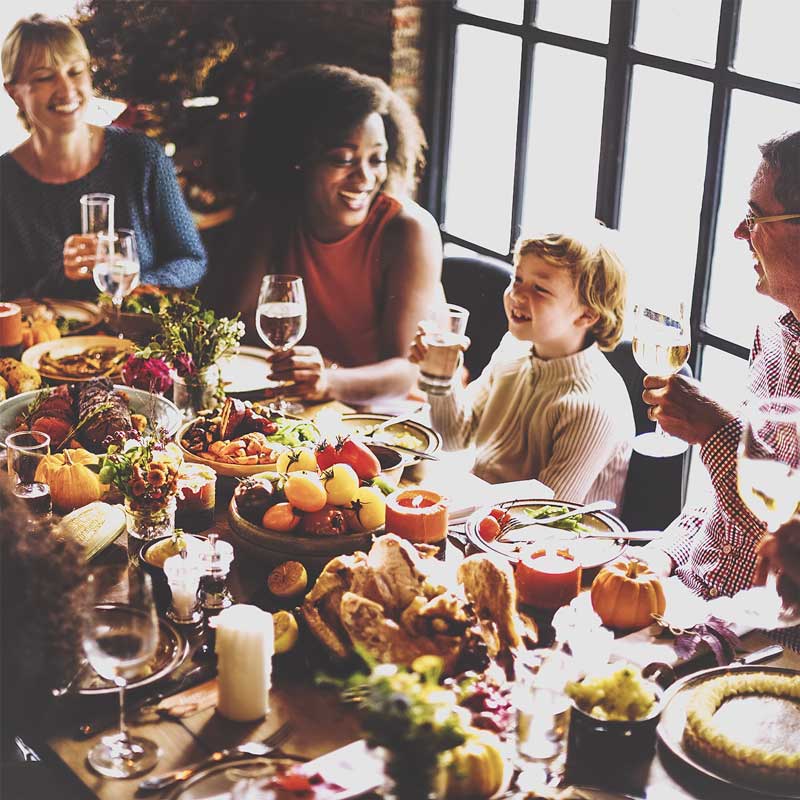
438, 347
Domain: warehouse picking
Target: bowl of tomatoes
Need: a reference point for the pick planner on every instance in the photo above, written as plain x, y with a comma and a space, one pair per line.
319, 504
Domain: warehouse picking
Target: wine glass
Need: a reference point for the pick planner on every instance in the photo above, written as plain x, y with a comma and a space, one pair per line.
281, 319
120, 635
116, 269
768, 472
661, 347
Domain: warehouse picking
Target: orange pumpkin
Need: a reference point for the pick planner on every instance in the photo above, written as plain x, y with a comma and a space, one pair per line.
626, 594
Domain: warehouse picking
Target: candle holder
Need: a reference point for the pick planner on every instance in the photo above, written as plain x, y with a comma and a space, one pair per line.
183, 574
216, 564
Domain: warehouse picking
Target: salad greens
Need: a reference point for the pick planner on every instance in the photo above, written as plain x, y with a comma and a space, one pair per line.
568, 524
293, 432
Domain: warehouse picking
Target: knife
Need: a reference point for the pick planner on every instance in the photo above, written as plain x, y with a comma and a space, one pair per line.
193, 677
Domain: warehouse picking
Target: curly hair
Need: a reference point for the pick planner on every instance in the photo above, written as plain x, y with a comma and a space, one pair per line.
782, 155
307, 111
59, 40
42, 577
597, 271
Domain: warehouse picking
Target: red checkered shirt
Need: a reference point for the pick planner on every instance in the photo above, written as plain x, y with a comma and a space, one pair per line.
714, 545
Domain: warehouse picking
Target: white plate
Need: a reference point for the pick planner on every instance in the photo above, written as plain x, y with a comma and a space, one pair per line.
247, 371
71, 345
157, 409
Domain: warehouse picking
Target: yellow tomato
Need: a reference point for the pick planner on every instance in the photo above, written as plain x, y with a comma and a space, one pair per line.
301, 458
370, 507
304, 490
341, 483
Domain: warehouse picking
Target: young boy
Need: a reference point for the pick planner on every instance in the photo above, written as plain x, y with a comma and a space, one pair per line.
549, 405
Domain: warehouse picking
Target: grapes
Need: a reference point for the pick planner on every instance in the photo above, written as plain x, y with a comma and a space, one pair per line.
490, 706
621, 695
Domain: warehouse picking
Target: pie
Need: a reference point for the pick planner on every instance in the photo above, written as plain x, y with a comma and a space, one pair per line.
725, 747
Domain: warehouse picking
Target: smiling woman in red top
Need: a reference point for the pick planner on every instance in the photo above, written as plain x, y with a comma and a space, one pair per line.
332, 156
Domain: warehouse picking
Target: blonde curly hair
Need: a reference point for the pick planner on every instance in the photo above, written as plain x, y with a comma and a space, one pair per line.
596, 270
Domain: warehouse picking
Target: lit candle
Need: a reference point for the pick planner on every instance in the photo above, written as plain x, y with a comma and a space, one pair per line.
418, 515
548, 579
245, 644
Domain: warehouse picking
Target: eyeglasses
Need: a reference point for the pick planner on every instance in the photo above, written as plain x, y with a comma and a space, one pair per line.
750, 219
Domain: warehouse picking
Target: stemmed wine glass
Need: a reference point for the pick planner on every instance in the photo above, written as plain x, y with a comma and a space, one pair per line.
116, 269
768, 473
281, 319
120, 635
661, 345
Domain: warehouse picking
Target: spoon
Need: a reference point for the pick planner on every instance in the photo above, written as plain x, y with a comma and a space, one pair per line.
60, 691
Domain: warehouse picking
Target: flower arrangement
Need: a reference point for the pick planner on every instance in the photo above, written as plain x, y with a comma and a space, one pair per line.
151, 374
408, 711
144, 470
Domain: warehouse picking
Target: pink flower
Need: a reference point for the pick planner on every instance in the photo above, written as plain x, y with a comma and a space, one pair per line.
184, 365
150, 374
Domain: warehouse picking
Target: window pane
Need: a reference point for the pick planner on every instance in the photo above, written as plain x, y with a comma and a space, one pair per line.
663, 183
507, 11
564, 141
733, 304
586, 19
480, 167
767, 44
724, 377
677, 29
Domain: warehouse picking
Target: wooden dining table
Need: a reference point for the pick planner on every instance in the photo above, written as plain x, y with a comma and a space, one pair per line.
320, 721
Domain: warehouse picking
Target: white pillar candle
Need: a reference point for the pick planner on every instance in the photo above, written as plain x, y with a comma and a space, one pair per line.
245, 644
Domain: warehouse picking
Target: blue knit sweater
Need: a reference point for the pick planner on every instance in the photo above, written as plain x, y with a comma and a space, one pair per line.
36, 218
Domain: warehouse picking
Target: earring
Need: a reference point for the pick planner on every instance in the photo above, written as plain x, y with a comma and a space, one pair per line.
297, 167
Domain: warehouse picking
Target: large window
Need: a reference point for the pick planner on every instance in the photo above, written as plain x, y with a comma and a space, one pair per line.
645, 114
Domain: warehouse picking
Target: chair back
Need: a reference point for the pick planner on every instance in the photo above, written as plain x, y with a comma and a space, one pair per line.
477, 283
654, 488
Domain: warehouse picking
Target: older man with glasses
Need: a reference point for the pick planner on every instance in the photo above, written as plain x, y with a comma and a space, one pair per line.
714, 549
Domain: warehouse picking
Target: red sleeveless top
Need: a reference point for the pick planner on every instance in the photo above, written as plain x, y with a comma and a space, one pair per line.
343, 283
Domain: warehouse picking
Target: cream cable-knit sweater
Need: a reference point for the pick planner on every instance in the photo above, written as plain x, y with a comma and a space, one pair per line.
566, 422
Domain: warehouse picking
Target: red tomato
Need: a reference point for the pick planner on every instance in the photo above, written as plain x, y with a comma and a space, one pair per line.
359, 457
326, 454
488, 529
500, 514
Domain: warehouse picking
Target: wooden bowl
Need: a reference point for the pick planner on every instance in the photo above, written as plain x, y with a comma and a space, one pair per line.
274, 547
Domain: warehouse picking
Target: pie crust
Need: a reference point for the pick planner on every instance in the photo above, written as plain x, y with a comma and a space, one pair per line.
731, 757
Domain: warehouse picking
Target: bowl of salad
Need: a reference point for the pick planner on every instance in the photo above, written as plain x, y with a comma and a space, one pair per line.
243, 438
136, 320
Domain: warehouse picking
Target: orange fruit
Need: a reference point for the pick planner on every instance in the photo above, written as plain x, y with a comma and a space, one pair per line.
288, 579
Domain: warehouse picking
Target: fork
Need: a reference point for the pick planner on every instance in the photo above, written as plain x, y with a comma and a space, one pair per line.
262, 748
518, 521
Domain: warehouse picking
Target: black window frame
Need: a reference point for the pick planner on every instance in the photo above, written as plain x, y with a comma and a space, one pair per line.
621, 58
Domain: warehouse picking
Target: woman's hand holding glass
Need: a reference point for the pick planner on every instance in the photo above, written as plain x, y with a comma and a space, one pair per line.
80, 249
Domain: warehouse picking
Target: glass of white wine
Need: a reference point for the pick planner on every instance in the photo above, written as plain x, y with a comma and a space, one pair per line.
661, 345
769, 484
116, 269
281, 319
120, 636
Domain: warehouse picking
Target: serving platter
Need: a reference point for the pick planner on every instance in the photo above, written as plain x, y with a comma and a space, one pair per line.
776, 725
69, 346
408, 433
86, 315
158, 410
590, 553
171, 650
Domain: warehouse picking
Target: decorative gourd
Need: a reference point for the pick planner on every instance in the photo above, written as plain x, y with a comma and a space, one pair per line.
626, 594
39, 331
73, 484
53, 462
473, 770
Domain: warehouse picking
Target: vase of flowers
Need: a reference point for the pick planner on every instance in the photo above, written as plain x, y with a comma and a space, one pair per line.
193, 340
414, 717
145, 471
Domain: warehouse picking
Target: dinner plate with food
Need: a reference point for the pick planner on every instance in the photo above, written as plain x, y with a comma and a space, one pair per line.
87, 413
590, 537
738, 725
51, 318
79, 358
245, 373
243, 438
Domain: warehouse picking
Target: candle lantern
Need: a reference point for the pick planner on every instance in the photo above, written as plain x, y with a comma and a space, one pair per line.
418, 515
548, 579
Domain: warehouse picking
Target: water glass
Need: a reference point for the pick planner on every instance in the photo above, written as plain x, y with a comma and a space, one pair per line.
116, 268
97, 219
25, 452
443, 335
